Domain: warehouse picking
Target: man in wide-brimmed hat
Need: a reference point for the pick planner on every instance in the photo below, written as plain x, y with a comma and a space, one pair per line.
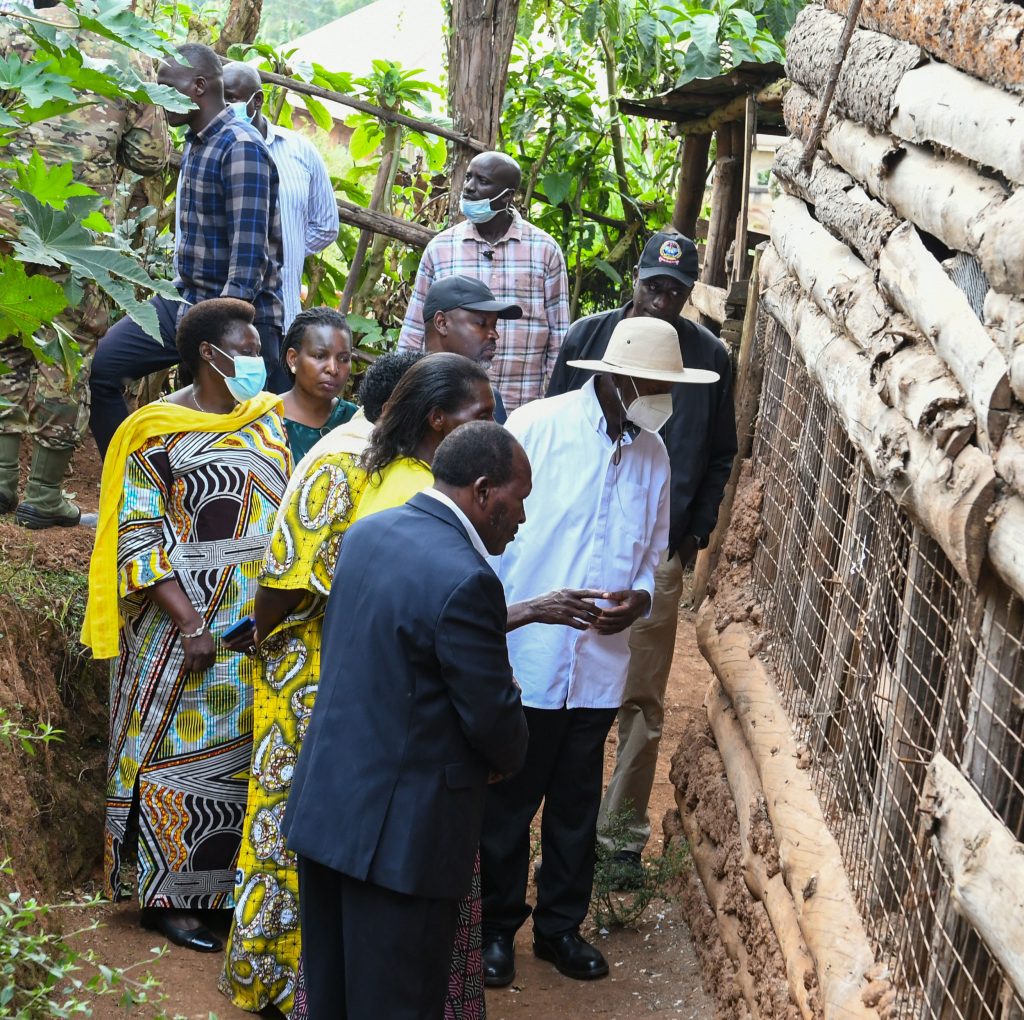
701, 443
597, 519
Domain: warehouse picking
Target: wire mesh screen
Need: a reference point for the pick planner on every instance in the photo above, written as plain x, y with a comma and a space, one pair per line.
884, 656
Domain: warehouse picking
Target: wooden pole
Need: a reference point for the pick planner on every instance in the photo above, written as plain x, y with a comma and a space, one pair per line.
392, 116
739, 266
413, 234
693, 172
725, 203
833, 80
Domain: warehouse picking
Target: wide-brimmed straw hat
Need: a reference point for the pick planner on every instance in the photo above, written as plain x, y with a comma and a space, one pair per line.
646, 348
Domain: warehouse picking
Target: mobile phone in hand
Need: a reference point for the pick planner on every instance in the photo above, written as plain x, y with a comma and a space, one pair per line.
243, 626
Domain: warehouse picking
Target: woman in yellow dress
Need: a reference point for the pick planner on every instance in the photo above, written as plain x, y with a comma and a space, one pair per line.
433, 397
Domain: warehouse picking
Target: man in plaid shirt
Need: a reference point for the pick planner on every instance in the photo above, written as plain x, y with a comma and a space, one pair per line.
519, 262
229, 243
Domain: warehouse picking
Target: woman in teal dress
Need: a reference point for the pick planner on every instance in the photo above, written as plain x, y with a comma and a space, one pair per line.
317, 350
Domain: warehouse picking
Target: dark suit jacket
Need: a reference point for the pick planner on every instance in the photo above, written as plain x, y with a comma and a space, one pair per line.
416, 706
700, 435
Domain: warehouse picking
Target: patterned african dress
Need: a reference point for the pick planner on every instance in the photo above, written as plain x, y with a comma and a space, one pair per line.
264, 944
196, 506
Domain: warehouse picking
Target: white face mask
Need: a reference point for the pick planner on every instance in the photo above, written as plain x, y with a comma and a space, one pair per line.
648, 413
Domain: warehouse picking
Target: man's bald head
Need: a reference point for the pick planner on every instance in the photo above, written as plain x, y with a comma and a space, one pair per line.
499, 167
240, 81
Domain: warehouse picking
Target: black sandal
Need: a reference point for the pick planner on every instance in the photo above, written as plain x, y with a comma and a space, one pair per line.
200, 939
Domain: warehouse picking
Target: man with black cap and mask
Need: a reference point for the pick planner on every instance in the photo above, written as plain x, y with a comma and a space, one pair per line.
701, 442
460, 316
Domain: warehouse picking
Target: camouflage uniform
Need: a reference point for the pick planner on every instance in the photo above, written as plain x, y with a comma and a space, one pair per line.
97, 140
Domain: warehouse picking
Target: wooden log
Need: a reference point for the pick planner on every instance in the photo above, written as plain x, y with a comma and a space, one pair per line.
1004, 319
907, 371
741, 260
764, 882
985, 38
413, 234
811, 862
693, 172
950, 497
940, 105
705, 860
709, 301
1006, 542
392, 116
1009, 460
725, 204
913, 280
985, 864
999, 247
942, 195
872, 70
840, 203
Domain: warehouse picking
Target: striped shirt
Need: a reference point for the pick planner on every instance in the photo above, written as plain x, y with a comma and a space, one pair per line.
309, 211
525, 267
229, 228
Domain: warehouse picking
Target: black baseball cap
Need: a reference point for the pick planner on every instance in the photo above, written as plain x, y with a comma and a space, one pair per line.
465, 292
669, 254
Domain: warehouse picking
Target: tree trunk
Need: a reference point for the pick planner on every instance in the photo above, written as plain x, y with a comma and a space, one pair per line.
241, 24
693, 171
479, 48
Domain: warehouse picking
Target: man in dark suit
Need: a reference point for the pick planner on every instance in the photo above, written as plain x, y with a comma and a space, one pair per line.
417, 710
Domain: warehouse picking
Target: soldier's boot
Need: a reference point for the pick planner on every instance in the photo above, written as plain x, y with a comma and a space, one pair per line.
10, 447
46, 504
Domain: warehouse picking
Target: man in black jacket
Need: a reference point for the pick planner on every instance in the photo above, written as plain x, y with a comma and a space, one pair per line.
701, 441
417, 710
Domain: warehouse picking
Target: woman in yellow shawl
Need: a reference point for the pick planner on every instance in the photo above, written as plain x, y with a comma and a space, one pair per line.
190, 489
332, 488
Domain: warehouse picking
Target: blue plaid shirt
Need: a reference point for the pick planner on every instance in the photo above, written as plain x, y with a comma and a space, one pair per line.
229, 242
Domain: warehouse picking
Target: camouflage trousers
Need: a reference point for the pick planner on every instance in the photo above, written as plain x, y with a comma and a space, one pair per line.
41, 401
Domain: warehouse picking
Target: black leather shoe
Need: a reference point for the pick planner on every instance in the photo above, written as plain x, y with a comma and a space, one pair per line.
572, 955
499, 955
200, 939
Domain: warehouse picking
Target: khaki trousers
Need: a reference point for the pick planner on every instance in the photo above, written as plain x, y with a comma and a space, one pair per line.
651, 644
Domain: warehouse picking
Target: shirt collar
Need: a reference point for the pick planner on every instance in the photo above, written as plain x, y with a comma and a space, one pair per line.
474, 535
514, 232
213, 127
595, 415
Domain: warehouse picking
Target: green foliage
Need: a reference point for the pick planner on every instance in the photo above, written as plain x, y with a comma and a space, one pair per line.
41, 974
26, 301
611, 904
598, 181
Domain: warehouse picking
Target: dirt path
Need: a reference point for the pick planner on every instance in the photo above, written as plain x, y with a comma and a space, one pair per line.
654, 970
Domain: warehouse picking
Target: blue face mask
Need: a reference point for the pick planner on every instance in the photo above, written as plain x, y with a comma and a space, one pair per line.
250, 375
479, 210
241, 110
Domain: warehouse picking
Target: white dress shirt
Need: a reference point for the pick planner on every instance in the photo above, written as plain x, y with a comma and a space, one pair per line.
309, 210
590, 523
471, 532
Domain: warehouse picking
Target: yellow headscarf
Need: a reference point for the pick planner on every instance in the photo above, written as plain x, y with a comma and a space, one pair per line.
102, 616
